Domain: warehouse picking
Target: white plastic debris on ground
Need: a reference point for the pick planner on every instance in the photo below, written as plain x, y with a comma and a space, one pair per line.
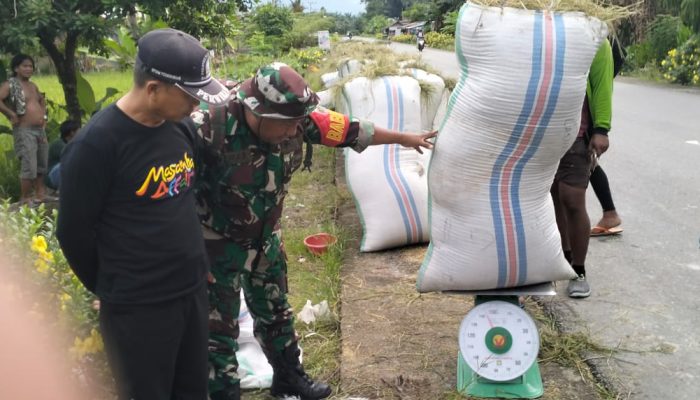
515, 111
314, 312
389, 182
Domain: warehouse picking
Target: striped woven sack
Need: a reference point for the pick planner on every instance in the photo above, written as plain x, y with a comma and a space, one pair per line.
514, 112
389, 182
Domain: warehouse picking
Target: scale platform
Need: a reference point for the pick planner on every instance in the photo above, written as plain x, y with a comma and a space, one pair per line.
539, 289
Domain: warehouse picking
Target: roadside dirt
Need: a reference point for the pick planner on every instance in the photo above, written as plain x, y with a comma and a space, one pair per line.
397, 344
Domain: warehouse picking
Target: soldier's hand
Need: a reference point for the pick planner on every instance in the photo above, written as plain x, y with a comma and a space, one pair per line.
210, 278
419, 142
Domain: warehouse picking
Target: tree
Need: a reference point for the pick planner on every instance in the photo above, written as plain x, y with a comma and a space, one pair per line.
59, 27
419, 12
377, 24
273, 20
297, 6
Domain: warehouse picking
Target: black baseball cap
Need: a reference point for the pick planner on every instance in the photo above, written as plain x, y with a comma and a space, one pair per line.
175, 57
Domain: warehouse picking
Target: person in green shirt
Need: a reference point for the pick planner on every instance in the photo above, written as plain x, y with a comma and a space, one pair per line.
572, 176
68, 130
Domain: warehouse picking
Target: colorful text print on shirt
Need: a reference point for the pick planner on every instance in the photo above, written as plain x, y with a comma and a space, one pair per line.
168, 180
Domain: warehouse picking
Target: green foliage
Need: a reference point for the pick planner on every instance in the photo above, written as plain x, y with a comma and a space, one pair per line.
261, 44
35, 253
682, 65
419, 12
403, 38
305, 30
273, 20
377, 24
123, 48
9, 168
638, 56
440, 40
302, 59
450, 23
690, 13
3, 71
199, 18
345, 23
665, 33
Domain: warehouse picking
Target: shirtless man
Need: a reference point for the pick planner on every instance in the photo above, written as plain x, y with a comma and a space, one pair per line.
24, 106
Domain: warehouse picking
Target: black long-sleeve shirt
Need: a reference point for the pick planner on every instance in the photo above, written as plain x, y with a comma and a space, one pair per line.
127, 222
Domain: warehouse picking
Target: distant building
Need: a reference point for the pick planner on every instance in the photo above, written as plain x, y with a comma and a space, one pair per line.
405, 27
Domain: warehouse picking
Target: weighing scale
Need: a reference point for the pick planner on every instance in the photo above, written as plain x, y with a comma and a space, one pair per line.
498, 345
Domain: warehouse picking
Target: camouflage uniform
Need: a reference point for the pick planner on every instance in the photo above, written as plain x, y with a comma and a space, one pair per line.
241, 185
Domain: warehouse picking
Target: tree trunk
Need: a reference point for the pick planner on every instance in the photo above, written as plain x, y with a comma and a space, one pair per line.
65, 68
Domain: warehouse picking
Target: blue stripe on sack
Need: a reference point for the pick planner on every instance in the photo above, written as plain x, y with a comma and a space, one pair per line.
387, 171
497, 173
559, 58
409, 193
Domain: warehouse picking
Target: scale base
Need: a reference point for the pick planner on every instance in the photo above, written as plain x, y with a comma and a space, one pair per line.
528, 386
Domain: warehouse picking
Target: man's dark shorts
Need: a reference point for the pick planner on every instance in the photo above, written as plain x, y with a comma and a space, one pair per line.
575, 166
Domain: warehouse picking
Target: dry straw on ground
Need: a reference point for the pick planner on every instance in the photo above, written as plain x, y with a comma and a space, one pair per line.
606, 12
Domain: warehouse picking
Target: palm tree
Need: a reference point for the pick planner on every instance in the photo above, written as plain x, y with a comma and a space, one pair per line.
297, 7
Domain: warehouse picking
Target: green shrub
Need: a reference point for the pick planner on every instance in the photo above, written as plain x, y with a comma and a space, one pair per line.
403, 38
665, 33
440, 40
29, 237
9, 169
638, 56
682, 65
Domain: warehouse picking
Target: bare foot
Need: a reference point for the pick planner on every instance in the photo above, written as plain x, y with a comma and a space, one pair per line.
609, 220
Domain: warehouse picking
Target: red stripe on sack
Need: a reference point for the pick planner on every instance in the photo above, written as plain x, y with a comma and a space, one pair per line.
522, 146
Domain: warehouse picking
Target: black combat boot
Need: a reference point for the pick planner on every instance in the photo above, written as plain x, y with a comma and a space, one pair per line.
289, 378
229, 393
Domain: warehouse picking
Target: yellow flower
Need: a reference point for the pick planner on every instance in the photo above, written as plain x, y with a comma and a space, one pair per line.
46, 256
41, 265
64, 298
90, 345
664, 62
39, 244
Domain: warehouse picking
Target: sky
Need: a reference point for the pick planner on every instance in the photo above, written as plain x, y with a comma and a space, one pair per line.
334, 6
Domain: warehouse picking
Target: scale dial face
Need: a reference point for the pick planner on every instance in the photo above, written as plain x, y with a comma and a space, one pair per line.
498, 340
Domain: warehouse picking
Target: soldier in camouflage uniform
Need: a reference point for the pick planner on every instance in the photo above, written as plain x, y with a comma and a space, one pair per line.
248, 154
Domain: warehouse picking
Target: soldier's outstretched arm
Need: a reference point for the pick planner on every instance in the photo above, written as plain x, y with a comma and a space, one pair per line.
406, 139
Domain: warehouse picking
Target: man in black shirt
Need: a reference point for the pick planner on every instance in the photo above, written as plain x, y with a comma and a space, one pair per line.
128, 226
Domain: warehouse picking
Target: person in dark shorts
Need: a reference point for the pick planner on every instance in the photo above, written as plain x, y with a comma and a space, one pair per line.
572, 176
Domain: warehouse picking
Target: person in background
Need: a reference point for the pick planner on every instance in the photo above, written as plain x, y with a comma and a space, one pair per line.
573, 174
24, 106
68, 129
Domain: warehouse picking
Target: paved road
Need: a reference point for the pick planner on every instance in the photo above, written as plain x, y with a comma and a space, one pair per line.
644, 282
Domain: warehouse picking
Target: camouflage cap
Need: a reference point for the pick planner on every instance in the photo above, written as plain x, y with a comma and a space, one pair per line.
278, 91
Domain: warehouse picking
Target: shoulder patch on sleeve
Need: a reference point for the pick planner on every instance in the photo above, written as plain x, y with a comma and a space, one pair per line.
333, 126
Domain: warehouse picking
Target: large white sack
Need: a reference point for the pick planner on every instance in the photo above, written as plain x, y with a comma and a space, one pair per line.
330, 78
432, 89
253, 369
515, 111
388, 182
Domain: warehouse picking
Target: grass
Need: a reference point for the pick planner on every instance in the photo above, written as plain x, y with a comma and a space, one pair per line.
568, 348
